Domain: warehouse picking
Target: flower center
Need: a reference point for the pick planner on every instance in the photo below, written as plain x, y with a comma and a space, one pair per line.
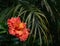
22, 25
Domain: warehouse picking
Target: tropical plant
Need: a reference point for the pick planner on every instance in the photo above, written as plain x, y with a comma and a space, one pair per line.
40, 16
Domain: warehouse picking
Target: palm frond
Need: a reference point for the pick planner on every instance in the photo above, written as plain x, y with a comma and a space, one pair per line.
35, 19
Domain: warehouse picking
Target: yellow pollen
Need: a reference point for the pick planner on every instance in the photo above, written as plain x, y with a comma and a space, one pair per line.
21, 25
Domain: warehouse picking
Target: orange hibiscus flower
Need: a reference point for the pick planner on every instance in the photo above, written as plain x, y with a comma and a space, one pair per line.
18, 28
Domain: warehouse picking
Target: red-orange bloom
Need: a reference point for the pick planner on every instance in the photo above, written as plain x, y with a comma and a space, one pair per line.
14, 22
18, 28
22, 25
24, 36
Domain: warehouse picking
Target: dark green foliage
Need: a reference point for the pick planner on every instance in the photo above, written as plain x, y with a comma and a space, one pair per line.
41, 16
